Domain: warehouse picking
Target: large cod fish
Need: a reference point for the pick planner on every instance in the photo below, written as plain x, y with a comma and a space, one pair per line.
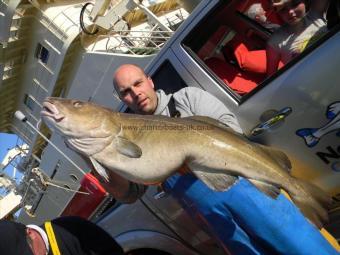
148, 149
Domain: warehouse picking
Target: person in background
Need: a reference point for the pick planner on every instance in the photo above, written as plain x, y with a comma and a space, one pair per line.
242, 219
244, 65
61, 236
257, 12
305, 22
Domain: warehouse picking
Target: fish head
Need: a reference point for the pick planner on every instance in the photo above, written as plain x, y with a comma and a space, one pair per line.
80, 123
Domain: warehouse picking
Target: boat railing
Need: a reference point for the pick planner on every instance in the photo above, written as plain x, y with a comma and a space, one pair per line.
133, 42
63, 23
144, 39
5, 2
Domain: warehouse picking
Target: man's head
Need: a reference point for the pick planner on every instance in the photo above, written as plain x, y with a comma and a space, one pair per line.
135, 88
290, 11
16, 238
256, 12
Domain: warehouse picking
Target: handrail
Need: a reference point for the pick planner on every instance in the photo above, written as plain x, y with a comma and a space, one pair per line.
128, 40
52, 25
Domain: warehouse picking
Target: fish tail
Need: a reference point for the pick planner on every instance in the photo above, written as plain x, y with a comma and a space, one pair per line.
313, 203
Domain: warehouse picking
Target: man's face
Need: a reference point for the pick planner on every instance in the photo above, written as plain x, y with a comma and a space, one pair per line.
292, 11
136, 89
261, 16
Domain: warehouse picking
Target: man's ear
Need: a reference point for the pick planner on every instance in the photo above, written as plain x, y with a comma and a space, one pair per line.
151, 82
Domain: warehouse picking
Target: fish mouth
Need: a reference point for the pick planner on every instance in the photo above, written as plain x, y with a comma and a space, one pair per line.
49, 110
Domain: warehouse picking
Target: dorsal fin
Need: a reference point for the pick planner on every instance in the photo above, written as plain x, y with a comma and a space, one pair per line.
280, 157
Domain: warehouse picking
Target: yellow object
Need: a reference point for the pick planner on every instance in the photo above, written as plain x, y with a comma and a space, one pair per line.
323, 231
330, 239
52, 239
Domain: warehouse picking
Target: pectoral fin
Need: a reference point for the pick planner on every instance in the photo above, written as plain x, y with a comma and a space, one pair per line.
100, 169
127, 148
215, 181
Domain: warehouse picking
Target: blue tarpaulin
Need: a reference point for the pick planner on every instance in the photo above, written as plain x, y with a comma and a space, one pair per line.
248, 222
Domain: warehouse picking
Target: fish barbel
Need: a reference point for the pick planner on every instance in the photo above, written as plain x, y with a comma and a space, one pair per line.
148, 149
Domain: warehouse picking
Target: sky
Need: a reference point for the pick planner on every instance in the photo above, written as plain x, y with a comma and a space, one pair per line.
7, 141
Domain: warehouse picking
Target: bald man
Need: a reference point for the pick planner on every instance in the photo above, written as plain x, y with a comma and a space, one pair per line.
136, 89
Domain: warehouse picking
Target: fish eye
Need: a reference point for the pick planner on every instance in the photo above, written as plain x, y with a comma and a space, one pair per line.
77, 104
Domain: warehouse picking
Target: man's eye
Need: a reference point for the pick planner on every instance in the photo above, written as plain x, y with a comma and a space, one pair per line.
77, 104
124, 93
138, 84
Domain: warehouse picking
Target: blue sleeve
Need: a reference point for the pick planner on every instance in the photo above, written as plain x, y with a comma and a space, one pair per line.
266, 225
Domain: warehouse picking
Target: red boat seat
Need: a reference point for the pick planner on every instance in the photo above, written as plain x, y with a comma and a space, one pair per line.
242, 82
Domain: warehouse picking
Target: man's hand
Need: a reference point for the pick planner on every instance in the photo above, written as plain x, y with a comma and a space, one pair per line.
184, 169
279, 4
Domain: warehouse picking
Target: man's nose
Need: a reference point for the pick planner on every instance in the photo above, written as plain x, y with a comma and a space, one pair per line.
291, 11
135, 92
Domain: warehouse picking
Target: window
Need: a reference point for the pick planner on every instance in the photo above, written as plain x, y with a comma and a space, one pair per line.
74, 178
29, 102
167, 78
231, 43
42, 53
